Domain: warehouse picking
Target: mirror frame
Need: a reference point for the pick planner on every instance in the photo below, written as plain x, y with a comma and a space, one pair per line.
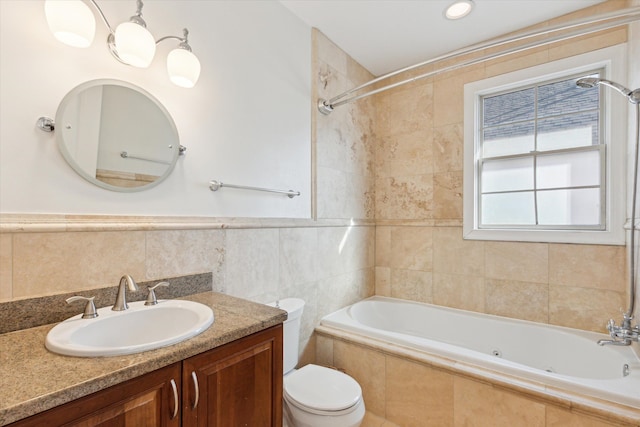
92, 179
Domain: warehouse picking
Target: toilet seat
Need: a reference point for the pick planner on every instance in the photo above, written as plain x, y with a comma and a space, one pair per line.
323, 391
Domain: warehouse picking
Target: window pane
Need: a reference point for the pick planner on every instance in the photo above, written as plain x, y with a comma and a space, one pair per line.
508, 108
507, 140
569, 207
573, 130
508, 209
568, 170
507, 175
566, 97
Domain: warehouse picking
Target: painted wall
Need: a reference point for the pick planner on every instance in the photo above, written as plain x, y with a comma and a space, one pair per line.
420, 253
247, 120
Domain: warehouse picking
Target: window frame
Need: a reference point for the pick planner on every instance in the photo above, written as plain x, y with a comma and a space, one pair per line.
612, 62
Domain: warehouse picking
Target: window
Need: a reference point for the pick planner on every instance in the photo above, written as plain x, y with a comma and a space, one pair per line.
542, 162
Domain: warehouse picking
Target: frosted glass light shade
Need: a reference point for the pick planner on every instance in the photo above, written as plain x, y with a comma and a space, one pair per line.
135, 44
183, 68
71, 22
459, 9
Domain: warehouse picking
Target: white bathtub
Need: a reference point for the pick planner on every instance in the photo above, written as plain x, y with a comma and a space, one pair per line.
566, 358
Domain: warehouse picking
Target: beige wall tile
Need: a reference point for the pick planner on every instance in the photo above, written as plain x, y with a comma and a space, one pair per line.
252, 263
405, 110
588, 266
557, 417
447, 195
418, 395
452, 254
329, 52
459, 291
478, 404
582, 308
448, 144
404, 197
520, 300
50, 263
368, 368
383, 246
518, 61
178, 252
526, 262
448, 96
412, 285
411, 248
383, 281
589, 43
405, 154
6, 267
298, 255
324, 351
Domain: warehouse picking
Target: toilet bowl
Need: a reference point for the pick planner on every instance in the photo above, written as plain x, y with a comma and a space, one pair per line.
315, 396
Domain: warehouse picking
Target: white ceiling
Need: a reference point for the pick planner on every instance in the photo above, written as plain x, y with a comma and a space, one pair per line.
386, 35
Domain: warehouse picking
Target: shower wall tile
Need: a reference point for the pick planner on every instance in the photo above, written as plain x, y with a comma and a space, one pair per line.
383, 281
405, 154
411, 248
589, 43
418, 395
519, 300
6, 267
517, 61
405, 110
527, 262
477, 401
448, 96
448, 148
447, 195
459, 291
581, 308
404, 197
178, 252
50, 263
557, 417
452, 254
383, 246
412, 285
588, 266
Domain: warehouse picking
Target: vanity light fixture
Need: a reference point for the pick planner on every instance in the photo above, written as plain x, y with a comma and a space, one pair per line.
73, 23
459, 9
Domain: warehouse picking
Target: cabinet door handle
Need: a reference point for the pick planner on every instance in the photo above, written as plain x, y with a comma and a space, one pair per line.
196, 389
175, 399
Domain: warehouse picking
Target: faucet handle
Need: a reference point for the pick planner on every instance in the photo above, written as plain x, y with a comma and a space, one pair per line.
90, 311
151, 298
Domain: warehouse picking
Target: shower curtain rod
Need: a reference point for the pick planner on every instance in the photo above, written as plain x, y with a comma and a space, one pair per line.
614, 19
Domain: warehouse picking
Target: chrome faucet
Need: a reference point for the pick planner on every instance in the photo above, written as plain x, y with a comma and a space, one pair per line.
121, 299
623, 334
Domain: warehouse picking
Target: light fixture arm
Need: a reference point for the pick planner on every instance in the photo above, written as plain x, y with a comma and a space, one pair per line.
184, 41
104, 18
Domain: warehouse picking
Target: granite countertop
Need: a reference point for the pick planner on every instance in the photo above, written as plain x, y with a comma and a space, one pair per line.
32, 379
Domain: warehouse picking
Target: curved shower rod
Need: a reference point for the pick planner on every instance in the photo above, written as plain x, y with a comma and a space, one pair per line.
603, 21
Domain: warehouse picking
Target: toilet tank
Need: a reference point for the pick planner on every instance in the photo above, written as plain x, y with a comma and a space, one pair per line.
291, 330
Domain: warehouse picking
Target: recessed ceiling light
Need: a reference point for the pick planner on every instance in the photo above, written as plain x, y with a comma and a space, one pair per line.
459, 9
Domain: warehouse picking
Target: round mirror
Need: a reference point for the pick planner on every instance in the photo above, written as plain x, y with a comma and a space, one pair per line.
116, 135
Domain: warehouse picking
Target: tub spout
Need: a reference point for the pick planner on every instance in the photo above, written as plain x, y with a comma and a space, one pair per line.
614, 342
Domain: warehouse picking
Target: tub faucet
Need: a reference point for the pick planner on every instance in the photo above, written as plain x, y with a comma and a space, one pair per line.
623, 334
121, 298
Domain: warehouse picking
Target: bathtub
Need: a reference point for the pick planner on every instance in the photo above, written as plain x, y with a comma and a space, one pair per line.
568, 359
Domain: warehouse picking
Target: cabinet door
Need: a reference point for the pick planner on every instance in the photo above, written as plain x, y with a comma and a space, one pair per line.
239, 384
146, 401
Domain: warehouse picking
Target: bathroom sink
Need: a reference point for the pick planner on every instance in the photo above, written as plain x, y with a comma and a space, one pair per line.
140, 328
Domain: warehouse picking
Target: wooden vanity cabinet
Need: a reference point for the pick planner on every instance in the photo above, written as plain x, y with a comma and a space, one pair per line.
148, 400
237, 384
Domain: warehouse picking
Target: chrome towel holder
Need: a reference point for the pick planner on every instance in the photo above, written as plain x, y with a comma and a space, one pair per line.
216, 185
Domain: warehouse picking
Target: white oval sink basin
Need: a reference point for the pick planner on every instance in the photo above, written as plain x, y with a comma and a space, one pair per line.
140, 328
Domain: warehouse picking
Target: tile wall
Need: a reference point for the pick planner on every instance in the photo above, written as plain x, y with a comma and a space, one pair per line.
420, 253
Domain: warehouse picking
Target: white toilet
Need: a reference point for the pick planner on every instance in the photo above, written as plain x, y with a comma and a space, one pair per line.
315, 396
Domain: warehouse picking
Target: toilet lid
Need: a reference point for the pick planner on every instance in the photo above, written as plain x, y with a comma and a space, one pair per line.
320, 388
